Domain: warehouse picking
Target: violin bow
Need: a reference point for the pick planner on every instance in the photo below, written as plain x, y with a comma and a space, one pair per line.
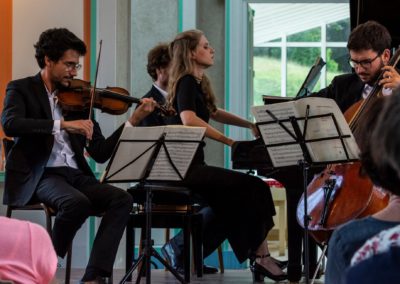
93, 90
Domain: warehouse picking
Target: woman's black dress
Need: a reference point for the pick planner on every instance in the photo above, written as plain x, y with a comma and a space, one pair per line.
243, 203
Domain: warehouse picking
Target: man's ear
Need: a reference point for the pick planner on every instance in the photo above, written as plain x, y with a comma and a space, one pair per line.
386, 56
47, 60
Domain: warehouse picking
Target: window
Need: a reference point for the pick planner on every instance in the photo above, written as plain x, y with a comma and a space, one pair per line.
288, 37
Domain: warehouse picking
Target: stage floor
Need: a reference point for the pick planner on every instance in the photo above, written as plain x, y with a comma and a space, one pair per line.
159, 276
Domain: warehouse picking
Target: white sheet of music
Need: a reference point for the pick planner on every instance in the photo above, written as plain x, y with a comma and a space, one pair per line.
136, 145
321, 151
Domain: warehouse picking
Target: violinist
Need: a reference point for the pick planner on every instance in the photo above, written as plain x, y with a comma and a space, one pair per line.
369, 47
47, 163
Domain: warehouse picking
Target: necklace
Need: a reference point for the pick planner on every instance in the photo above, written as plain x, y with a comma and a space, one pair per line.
198, 80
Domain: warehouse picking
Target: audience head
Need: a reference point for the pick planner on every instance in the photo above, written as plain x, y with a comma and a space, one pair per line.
27, 254
380, 151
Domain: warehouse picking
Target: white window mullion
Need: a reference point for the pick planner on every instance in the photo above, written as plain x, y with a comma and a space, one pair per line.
323, 54
283, 66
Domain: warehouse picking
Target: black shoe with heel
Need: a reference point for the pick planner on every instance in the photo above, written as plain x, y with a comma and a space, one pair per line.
260, 272
282, 264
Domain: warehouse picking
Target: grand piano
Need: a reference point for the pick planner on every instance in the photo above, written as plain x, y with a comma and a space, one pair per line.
253, 156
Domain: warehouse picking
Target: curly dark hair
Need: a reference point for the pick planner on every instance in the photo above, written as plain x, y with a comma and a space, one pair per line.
369, 35
380, 153
54, 42
158, 57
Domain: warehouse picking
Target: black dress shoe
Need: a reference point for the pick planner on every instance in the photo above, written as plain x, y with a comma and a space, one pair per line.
209, 269
281, 263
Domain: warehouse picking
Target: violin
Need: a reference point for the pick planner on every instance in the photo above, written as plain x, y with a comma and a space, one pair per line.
111, 100
342, 192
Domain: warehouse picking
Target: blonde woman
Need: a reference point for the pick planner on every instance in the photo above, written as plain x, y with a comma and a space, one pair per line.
242, 203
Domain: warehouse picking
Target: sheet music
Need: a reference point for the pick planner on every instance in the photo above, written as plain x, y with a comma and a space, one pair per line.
137, 145
273, 133
327, 150
181, 153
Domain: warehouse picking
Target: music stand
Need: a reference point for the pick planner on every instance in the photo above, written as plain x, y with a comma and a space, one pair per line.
152, 156
299, 138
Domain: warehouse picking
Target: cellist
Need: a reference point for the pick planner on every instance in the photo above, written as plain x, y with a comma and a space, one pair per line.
369, 48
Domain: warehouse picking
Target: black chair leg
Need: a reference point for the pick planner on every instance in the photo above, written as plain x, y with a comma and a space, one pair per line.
186, 250
197, 243
68, 266
130, 246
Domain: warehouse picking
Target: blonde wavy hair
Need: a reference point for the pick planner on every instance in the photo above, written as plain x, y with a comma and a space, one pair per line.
181, 64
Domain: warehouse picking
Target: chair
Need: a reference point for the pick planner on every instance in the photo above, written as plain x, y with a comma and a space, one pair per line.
49, 212
172, 207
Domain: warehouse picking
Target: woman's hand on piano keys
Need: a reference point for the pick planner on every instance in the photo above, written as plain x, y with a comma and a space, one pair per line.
254, 130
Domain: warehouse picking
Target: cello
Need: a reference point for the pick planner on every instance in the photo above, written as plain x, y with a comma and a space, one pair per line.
343, 192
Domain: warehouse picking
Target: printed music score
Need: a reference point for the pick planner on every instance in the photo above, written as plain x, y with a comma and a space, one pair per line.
284, 147
136, 146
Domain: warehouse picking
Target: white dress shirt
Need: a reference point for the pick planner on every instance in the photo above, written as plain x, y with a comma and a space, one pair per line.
61, 153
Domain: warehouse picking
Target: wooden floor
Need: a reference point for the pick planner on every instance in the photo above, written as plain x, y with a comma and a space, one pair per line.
159, 276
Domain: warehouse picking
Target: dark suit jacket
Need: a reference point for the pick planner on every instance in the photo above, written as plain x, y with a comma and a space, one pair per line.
27, 117
155, 118
345, 89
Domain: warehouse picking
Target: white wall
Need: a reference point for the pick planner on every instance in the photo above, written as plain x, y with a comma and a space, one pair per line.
30, 18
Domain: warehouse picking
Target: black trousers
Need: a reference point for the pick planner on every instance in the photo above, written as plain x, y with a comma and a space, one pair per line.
242, 205
76, 196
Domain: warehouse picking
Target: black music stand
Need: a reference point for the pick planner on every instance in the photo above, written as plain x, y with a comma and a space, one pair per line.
299, 138
114, 175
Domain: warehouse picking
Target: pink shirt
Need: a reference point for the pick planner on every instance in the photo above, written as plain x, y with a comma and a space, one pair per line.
26, 252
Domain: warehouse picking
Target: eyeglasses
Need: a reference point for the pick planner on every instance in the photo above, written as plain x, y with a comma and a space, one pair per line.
363, 63
72, 66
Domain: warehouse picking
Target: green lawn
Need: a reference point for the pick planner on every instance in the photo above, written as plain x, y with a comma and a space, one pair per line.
267, 80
